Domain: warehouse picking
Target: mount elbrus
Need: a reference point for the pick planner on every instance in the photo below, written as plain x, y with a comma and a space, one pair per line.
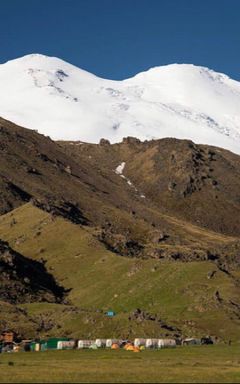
179, 100
149, 228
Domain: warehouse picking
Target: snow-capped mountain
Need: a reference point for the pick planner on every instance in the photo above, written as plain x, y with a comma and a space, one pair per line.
64, 102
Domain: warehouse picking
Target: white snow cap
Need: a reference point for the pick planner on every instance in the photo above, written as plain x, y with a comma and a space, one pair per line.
64, 102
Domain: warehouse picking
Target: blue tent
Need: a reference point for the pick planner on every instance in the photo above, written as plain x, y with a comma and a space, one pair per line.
110, 313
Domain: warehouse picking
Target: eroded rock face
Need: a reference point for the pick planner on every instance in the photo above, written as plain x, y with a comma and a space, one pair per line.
191, 170
158, 236
25, 280
121, 244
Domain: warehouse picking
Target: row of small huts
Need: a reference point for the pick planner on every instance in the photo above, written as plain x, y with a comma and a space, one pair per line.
9, 342
64, 343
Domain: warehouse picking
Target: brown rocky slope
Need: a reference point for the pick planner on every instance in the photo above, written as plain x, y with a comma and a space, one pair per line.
175, 199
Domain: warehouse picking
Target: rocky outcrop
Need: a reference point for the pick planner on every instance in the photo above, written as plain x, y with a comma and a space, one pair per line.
121, 244
141, 316
66, 209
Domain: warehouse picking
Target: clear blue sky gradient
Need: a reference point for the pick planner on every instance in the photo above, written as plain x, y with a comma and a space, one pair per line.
116, 39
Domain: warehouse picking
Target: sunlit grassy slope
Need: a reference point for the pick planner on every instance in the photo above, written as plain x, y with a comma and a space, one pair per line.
180, 294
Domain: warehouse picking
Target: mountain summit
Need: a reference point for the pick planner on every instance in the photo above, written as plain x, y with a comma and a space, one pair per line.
66, 103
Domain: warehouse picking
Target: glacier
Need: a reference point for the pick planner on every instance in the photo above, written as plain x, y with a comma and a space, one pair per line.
64, 102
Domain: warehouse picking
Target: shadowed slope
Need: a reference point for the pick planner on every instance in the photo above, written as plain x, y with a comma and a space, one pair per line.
24, 280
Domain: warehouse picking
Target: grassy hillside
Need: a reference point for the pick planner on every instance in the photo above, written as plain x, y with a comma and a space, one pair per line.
174, 298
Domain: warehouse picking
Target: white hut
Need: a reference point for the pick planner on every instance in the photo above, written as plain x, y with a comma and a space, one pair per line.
191, 341
151, 343
166, 343
66, 344
140, 342
85, 343
101, 343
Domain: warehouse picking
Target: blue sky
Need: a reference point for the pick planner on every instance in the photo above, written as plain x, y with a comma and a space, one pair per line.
118, 38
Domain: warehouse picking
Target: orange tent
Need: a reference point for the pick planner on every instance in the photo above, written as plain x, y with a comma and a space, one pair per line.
115, 346
136, 349
129, 347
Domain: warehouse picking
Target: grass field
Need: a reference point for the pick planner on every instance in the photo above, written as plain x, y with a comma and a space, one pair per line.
208, 364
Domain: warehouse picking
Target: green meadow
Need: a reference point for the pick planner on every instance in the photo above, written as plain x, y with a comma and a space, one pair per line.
199, 364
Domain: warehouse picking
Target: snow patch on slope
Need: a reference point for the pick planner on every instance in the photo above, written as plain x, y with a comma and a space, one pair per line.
120, 168
64, 102
119, 171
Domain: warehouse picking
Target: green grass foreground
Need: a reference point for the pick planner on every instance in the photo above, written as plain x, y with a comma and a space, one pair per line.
208, 364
